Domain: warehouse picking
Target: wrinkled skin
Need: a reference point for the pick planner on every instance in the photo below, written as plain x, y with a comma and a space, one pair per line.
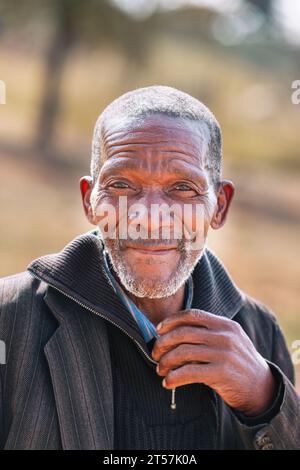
197, 346
163, 160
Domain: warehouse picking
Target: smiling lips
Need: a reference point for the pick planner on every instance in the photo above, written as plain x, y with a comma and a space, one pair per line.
153, 249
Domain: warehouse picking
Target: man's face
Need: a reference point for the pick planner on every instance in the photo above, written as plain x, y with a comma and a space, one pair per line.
157, 161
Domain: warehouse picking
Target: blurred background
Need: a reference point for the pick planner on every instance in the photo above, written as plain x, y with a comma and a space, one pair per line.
63, 61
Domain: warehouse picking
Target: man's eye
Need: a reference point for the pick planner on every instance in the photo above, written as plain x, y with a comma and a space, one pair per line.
120, 185
183, 187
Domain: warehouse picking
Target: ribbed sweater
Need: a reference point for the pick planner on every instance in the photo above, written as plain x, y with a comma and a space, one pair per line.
143, 418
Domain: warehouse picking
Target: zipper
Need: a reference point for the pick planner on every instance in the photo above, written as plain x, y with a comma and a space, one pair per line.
173, 404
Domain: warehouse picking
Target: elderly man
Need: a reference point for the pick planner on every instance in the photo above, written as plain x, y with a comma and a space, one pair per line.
132, 339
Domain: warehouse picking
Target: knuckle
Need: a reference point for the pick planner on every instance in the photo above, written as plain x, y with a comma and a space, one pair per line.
157, 345
228, 340
189, 369
160, 346
170, 377
236, 327
228, 361
228, 324
183, 332
163, 363
196, 314
184, 351
190, 351
180, 332
166, 360
176, 355
192, 370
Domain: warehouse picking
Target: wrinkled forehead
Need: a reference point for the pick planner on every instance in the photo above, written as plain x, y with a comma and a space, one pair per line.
155, 129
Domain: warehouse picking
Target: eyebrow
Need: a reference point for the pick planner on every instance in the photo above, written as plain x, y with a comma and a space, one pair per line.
119, 168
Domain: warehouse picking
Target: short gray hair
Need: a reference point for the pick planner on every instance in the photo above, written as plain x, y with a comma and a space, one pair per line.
159, 99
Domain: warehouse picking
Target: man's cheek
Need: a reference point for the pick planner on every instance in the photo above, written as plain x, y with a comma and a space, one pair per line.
106, 220
195, 225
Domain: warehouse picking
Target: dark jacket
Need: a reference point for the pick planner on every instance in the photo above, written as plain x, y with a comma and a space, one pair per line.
56, 386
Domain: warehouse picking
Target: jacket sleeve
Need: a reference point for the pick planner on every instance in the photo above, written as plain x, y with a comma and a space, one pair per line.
1, 413
282, 432
2, 365
279, 427
3, 359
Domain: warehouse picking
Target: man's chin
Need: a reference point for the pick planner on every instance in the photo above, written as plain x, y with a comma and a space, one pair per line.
151, 288
154, 277
152, 285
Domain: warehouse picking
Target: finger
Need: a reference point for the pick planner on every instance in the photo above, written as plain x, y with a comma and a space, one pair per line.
190, 373
194, 317
185, 334
187, 353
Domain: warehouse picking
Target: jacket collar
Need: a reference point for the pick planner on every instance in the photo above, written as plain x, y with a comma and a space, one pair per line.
78, 272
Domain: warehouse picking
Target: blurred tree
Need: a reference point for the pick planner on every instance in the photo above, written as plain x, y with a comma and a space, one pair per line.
62, 40
67, 23
91, 22
71, 22
265, 6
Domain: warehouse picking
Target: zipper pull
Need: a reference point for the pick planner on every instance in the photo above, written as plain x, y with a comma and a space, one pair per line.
173, 403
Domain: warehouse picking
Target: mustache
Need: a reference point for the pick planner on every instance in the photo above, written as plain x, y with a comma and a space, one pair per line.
180, 245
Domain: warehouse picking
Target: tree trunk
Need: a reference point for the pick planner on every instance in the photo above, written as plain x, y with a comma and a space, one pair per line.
56, 55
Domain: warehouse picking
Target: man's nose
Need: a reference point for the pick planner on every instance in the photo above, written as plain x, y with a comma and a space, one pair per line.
152, 216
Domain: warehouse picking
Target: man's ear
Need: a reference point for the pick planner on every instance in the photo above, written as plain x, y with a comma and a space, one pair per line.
86, 187
225, 192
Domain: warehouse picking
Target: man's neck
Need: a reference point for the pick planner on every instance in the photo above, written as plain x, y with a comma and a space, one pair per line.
158, 309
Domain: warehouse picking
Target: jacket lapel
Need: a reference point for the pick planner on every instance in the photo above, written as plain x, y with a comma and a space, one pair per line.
79, 364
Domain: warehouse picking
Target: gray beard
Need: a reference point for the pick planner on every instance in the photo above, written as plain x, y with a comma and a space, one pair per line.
141, 287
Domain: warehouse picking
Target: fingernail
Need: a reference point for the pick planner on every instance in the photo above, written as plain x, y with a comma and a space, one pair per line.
159, 326
164, 383
157, 368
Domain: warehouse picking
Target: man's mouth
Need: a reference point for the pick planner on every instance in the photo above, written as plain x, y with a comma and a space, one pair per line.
152, 249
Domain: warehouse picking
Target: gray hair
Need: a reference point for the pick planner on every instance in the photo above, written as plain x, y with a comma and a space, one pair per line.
159, 99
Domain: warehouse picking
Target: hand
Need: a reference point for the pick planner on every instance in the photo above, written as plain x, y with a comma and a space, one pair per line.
195, 346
